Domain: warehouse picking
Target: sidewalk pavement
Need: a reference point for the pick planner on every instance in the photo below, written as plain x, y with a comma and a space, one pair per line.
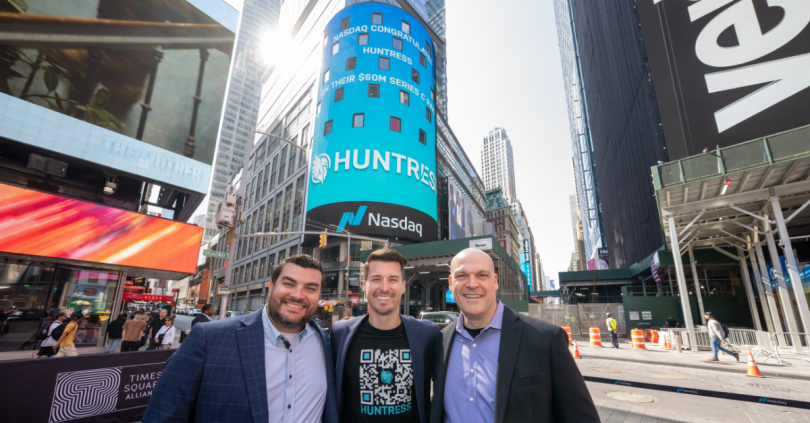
795, 367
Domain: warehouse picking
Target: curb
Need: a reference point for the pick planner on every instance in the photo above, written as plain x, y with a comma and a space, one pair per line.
693, 366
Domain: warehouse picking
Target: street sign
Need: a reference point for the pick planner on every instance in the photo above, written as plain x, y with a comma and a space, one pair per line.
215, 254
223, 290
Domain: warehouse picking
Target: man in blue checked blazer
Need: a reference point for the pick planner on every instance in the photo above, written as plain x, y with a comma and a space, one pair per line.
274, 365
384, 361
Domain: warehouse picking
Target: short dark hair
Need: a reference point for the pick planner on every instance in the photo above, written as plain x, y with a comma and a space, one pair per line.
386, 255
206, 307
77, 316
302, 260
122, 316
139, 312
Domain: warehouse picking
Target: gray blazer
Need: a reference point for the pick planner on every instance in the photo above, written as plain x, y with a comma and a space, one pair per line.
538, 380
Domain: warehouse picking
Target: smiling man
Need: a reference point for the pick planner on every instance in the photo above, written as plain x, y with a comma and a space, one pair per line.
270, 366
384, 360
496, 365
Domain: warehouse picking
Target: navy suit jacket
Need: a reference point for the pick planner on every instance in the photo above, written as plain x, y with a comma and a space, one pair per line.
218, 375
422, 336
200, 319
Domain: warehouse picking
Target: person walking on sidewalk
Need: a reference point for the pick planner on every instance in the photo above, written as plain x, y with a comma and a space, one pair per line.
718, 335
47, 348
611, 327
65, 344
132, 333
165, 335
115, 330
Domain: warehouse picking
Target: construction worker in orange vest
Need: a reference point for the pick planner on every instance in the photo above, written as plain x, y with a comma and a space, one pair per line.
611, 327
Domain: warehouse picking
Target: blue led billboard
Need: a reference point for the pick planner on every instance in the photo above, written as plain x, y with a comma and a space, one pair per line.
373, 168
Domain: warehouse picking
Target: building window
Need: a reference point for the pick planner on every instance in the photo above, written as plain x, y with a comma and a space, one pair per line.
335, 48
351, 63
376, 18
414, 76
362, 39
327, 127
422, 60
344, 24
404, 97
422, 137
338, 94
374, 90
406, 27
358, 120
427, 46
396, 124
397, 44
427, 114
383, 63
326, 76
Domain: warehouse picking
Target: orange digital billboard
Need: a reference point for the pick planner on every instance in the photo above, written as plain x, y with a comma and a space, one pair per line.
39, 224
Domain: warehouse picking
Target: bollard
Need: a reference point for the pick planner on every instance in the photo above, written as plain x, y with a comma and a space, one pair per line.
596, 337
567, 330
638, 339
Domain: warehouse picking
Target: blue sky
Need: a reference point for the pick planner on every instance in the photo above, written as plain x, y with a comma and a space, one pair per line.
504, 70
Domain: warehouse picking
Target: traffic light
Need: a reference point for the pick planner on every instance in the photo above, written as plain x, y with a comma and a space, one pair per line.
323, 241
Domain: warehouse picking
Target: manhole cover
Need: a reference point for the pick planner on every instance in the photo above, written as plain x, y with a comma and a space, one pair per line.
665, 376
629, 396
605, 370
769, 387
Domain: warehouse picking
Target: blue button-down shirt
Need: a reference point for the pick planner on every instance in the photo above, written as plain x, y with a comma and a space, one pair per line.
469, 392
296, 376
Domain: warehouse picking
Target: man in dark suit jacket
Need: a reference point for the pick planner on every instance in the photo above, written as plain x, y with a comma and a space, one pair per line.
518, 368
206, 316
383, 361
241, 369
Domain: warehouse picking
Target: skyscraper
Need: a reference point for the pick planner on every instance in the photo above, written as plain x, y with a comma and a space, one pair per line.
615, 125
497, 164
243, 97
585, 176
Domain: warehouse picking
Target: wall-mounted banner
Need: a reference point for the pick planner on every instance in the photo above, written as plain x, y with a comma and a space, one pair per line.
375, 129
727, 71
91, 388
39, 224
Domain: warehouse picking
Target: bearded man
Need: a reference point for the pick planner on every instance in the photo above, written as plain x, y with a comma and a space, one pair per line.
274, 365
383, 360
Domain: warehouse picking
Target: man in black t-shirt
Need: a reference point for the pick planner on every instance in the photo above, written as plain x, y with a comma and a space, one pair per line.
672, 323
383, 360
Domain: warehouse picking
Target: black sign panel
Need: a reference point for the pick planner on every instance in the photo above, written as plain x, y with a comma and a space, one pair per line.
727, 71
382, 220
85, 389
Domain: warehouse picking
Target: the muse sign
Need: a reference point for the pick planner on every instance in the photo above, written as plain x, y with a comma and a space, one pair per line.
728, 71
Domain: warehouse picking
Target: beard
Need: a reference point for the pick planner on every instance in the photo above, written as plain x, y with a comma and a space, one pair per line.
394, 306
275, 314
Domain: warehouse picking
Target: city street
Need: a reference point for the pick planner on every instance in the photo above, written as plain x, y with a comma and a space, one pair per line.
629, 404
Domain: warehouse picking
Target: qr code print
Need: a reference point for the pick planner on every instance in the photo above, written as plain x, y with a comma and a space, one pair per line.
388, 376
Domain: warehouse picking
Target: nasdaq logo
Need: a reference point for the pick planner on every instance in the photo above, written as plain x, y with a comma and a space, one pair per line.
350, 218
763, 400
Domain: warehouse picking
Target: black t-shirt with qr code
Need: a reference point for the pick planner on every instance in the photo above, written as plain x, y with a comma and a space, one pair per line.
378, 377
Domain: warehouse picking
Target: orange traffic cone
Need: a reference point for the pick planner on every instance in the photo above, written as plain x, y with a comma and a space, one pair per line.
575, 354
753, 370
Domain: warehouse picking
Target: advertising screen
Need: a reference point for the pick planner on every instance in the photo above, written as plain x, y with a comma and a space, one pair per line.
373, 169
35, 223
465, 222
727, 71
131, 84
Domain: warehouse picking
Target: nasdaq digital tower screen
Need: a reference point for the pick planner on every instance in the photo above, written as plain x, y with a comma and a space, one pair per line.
373, 163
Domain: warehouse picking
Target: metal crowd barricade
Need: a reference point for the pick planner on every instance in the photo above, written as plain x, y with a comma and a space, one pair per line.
743, 338
765, 347
785, 342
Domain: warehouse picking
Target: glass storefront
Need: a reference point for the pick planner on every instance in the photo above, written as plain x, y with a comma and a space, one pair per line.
30, 294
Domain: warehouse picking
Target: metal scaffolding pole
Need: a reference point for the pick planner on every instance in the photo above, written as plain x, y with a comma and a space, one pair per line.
792, 265
697, 285
684, 293
784, 294
766, 283
763, 299
748, 291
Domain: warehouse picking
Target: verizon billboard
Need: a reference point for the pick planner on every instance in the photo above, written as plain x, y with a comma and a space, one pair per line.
727, 71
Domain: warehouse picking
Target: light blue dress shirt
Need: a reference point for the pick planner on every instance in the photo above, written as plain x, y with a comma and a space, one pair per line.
472, 372
296, 376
